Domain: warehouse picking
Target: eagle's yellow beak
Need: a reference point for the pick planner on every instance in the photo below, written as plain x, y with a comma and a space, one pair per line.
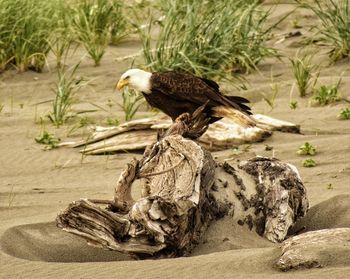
121, 83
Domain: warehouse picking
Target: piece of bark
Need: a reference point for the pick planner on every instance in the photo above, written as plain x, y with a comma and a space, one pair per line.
329, 247
140, 133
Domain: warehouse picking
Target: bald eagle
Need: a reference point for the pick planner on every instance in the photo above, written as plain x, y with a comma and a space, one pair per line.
176, 93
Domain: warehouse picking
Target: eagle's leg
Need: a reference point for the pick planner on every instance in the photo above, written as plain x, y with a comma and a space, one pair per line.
190, 125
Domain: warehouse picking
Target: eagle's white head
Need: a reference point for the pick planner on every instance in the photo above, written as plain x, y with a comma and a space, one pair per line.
136, 79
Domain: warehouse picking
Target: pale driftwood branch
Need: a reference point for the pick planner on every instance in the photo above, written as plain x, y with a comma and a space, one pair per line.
138, 134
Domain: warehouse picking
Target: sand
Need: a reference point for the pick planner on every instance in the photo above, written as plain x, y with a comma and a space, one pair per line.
36, 184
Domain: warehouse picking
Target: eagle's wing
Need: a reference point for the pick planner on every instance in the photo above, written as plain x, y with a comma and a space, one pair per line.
196, 90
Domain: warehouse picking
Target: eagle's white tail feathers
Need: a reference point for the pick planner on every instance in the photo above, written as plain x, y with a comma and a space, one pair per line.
235, 115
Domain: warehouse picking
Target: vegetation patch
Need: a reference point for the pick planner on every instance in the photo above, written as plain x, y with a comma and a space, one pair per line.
334, 29
96, 23
25, 26
326, 94
303, 71
67, 85
307, 149
206, 38
344, 114
48, 139
131, 103
309, 163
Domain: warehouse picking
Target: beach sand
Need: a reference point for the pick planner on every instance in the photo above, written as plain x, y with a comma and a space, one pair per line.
35, 185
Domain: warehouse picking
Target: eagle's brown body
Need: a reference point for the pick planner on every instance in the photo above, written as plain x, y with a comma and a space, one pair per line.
176, 93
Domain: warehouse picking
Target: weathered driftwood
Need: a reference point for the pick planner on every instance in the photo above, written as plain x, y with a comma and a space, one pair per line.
183, 191
138, 134
174, 210
266, 194
316, 249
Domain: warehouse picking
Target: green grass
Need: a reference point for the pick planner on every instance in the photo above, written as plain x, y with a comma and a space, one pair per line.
96, 23
25, 26
131, 103
207, 38
303, 71
334, 28
326, 94
63, 37
65, 89
306, 149
31, 29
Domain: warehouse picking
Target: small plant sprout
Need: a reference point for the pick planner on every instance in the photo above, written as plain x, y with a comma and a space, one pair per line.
303, 71
326, 94
112, 121
309, 163
48, 139
131, 103
343, 115
293, 104
271, 98
306, 149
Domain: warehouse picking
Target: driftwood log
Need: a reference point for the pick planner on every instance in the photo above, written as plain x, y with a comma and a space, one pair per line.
183, 191
316, 249
140, 133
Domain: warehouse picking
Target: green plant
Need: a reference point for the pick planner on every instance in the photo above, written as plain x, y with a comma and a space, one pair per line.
271, 98
112, 121
334, 29
82, 122
306, 149
25, 26
344, 114
303, 70
293, 104
65, 89
48, 139
62, 38
309, 163
326, 94
95, 22
131, 103
207, 38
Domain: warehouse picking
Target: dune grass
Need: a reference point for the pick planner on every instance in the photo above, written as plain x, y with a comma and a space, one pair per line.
131, 103
207, 38
334, 29
25, 26
96, 23
303, 71
30, 29
64, 90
